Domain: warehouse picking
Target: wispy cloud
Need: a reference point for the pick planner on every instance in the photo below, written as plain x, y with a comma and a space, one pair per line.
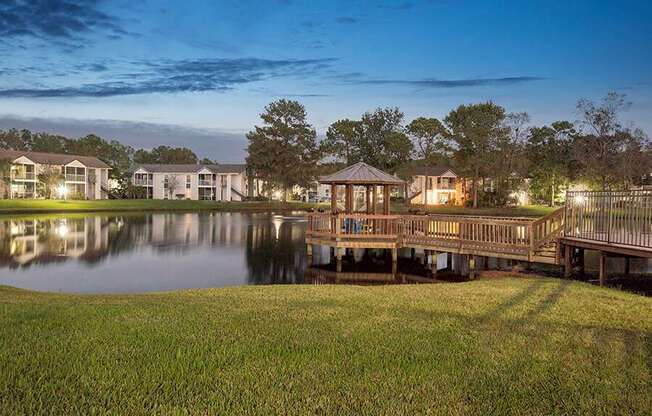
346, 20
62, 20
441, 83
172, 76
403, 5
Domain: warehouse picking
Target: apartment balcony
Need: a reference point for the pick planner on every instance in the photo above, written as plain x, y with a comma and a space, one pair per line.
446, 187
143, 182
23, 176
70, 177
205, 182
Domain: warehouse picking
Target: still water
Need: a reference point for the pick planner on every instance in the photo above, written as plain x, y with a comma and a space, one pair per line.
131, 252
151, 252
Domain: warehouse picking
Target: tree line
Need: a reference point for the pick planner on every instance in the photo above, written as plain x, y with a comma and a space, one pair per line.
482, 142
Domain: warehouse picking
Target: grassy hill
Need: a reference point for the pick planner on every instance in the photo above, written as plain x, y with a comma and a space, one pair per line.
496, 346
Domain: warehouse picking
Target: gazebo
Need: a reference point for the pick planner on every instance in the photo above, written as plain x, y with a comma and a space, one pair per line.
361, 174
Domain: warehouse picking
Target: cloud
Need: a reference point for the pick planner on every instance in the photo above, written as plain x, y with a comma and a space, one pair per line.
404, 5
438, 83
224, 145
172, 76
64, 20
346, 20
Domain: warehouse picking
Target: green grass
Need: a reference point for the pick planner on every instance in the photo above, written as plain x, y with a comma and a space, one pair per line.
528, 346
32, 206
522, 211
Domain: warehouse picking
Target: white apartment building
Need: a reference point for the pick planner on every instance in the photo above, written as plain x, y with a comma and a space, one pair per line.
82, 177
221, 182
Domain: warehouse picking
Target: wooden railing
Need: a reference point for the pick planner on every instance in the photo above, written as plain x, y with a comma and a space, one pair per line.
353, 225
482, 234
612, 217
547, 229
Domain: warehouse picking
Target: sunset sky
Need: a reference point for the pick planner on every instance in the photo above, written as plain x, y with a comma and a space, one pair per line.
198, 73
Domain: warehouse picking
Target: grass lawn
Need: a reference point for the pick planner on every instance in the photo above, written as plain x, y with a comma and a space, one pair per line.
37, 206
32, 206
534, 346
522, 211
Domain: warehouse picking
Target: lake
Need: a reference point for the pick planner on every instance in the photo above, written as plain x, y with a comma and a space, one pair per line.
151, 252
132, 252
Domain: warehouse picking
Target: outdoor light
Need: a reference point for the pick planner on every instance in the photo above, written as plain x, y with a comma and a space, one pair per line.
579, 199
277, 195
62, 191
62, 230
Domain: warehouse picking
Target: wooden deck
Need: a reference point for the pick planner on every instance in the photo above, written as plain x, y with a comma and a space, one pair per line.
513, 238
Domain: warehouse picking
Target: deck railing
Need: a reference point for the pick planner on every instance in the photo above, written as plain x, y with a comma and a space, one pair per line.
490, 234
613, 217
547, 229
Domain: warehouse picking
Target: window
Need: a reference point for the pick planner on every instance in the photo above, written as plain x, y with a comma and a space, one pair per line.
187, 181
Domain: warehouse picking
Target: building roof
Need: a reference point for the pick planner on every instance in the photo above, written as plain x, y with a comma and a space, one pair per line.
361, 174
53, 158
191, 168
432, 170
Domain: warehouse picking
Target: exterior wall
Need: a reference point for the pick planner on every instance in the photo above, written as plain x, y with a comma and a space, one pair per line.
237, 181
86, 189
434, 195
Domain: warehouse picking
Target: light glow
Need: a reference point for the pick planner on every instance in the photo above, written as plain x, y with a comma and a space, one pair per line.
62, 190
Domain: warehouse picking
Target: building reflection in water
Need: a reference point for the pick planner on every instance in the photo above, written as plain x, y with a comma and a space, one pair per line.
203, 249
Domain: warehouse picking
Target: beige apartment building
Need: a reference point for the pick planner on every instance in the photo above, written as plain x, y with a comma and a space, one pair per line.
81, 177
220, 182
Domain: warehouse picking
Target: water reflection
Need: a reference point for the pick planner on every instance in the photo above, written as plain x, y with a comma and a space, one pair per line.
161, 251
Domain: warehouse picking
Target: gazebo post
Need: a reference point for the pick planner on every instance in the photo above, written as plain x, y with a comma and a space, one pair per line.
374, 199
348, 203
333, 198
386, 199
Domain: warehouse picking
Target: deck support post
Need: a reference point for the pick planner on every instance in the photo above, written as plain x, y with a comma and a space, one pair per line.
580, 260
603, 268
338, 256
472, 273
568, 267
309, 250
433, 263
413, 253
394, 260
627, 265
449, 262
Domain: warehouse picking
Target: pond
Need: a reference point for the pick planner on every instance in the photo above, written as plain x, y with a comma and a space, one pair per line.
151, 252
141, 252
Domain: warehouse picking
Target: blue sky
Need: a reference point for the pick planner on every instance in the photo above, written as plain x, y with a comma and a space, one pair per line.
198, 73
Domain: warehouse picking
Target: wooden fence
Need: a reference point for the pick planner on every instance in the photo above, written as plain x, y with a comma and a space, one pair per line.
612, 217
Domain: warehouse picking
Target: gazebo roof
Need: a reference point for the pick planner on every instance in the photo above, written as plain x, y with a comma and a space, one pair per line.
361, 174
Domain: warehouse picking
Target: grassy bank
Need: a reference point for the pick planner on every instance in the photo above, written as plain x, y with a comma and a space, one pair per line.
40, 206
500, 346
522, 211
35, 206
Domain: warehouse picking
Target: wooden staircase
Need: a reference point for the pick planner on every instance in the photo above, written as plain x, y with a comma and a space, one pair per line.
545, 236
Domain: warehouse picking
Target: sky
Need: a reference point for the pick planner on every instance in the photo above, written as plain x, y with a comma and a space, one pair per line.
199, 73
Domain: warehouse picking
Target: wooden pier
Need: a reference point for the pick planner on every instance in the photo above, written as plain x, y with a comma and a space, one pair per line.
613, 223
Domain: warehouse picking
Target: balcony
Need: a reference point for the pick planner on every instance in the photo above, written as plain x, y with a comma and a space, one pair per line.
450, 186
23, 176
70, 177
206, 182
143, 182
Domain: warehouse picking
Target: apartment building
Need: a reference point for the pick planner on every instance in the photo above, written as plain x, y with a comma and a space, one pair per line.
221, 182
436, 185
78, 177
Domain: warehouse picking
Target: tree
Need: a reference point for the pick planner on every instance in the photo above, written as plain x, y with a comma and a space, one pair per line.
383, 142
5, 178
602, 147
548, 152
166, 154
283, 151
475, 130
207, 161
49, 178
173, 184
430, 139
342, 141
